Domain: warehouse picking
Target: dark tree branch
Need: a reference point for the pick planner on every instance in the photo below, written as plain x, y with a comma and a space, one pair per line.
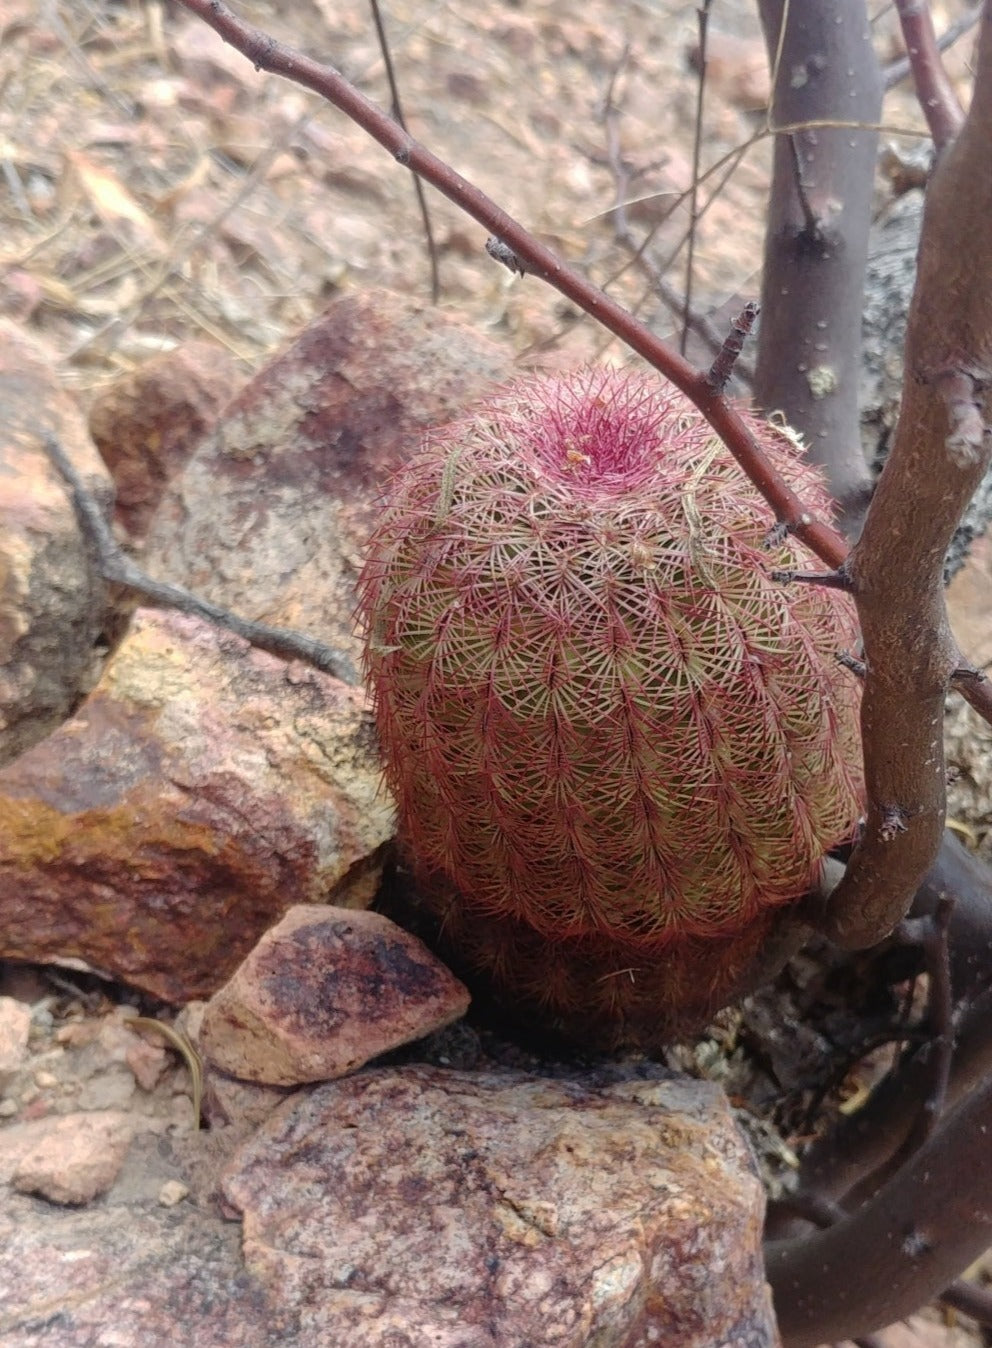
268, 54
118, 569
899, 1250
933, 89
816, 244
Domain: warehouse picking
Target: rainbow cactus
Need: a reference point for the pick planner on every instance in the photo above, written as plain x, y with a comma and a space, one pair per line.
615, 742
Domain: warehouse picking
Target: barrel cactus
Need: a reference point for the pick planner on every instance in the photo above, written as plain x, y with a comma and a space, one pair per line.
616, 743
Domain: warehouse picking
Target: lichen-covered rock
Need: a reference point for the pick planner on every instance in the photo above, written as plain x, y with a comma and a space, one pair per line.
324, 991
473, 1210
201, 790
53, 606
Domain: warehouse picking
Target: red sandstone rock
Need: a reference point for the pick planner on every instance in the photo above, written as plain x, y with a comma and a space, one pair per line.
148, 422
324, 992
15, 1022
505, 1210
52, 605
201, 790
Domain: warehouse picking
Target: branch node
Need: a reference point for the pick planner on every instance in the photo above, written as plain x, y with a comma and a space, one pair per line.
830, 580
894, 822
502, 252
723, 366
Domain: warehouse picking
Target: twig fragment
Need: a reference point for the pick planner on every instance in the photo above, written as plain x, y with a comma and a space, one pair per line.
118, 569
733, 344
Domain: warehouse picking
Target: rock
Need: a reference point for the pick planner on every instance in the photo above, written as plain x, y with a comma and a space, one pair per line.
229, 1102
75, 1158
272, 512
201, 790
52, 605
15, 1022
148, 422
322, 993
736, 69
457, 1210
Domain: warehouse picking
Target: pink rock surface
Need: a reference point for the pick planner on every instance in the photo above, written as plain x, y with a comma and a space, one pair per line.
148, 422
76, 1157
322, 993
457, 1210
201, 790
52, 605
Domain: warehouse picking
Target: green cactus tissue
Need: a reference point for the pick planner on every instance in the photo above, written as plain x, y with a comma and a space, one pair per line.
613, 738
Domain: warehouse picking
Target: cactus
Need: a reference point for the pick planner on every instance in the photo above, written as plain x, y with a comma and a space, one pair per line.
611, 735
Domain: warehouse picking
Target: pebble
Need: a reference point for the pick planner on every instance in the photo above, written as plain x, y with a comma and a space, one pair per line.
172, 1192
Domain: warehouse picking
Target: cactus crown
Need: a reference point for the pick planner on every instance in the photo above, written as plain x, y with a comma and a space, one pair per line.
598, 713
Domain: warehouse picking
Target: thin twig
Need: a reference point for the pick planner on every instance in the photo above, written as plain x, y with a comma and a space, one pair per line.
896, 71
703, 16
934, 91
397, 111
118, 569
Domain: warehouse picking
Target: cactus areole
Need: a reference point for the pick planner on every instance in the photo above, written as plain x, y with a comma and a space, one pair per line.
605, 725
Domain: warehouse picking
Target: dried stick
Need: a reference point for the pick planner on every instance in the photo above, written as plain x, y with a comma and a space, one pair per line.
933, 89
118, 569
267, 54
397, 111
816, 242
727, 357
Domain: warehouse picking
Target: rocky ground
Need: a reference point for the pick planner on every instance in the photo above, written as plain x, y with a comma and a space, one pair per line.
157, 192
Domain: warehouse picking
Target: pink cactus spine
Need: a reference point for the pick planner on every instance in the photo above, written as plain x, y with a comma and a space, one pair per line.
599, 715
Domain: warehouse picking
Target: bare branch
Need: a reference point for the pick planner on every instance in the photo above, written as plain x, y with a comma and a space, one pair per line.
933, 89
816, 244
897, 71
268, 54
940, 454
723, 367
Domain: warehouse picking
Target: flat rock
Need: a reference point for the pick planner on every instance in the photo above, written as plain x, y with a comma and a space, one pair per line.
52, 605
147, 423
272, 512
450, 1209
322, 993
201, 790
74, 1158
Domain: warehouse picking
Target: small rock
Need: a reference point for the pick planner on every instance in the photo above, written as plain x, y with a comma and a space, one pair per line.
505, 1210
76, 1157
15, 1025
322, 993
147, 1063
148, 422
229, 1102
8, 1108
200, 790
172, 1192
736, 69
45, 1080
